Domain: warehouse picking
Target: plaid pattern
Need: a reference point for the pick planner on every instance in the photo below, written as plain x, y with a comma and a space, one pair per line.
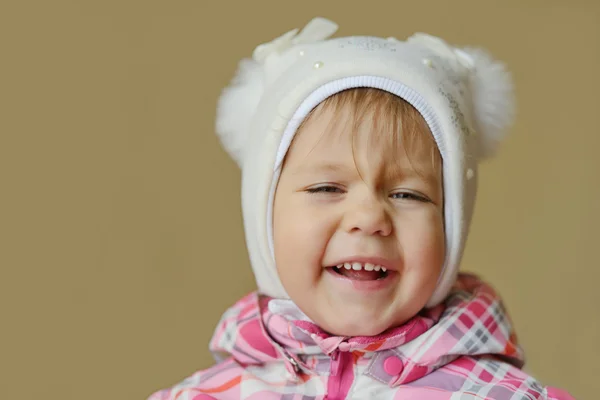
463, 349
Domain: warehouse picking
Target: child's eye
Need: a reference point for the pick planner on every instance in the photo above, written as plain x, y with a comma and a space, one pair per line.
324, 189
408, 196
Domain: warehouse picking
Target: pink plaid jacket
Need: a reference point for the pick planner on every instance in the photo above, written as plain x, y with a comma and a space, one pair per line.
462, 349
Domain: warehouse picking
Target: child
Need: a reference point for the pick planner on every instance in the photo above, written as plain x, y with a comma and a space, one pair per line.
359, 170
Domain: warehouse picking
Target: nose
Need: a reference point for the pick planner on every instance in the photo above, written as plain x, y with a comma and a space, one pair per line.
369, 216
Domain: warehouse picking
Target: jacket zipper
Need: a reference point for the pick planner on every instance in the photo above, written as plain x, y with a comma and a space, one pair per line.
341, 375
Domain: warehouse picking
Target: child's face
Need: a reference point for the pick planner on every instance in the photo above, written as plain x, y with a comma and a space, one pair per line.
332, 207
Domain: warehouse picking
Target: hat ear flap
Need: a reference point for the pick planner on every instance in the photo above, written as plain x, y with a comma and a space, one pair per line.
237, 105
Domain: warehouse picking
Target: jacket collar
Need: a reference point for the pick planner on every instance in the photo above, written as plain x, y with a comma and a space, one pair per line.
472, 321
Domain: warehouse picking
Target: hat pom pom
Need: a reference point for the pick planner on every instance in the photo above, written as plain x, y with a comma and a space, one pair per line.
237, 105
492, 92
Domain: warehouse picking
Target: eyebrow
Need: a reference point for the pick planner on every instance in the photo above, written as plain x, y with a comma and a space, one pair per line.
427, 176
320, 168
331, 167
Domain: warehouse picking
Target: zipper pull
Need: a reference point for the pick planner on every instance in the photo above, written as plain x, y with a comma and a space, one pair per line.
294, 363
292, 376
335, 355
335, 362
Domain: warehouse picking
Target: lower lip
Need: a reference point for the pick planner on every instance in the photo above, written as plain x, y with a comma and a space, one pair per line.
364, 286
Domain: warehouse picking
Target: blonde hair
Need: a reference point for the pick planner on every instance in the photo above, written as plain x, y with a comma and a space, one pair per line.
396, 124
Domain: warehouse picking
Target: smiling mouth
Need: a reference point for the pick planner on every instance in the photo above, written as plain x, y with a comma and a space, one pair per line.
361, 272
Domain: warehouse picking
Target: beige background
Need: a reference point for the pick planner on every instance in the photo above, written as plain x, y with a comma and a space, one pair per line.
120, 227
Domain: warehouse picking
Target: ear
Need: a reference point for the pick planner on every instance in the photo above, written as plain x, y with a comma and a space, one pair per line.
491, 89
238, 101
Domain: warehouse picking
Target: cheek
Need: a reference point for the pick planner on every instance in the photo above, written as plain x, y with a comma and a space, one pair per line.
424, 243
423, 247
299, 243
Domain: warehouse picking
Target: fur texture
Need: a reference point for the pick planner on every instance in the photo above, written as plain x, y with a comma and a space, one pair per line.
493, 100
236, 107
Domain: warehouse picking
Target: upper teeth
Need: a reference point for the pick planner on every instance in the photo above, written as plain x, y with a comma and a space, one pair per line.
358, 266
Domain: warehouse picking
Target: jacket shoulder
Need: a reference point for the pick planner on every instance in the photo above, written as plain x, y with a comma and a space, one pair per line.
494, 378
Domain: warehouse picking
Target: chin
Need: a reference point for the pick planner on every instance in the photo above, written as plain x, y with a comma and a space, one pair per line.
356, 327
368, 330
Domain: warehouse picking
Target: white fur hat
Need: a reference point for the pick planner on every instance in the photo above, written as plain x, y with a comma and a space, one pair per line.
464, 96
